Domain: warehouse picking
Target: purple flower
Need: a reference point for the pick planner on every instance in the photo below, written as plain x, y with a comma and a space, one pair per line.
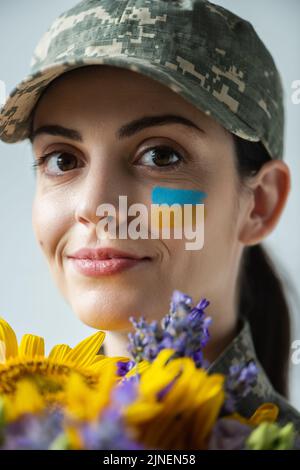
229, 434
125, 392
35, 432
184, 329
144, 343
124, 367
168, 387
240, 380
108, 433
179, 298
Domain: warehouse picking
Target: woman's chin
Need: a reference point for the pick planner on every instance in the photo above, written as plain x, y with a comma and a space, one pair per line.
110, 311
103, 321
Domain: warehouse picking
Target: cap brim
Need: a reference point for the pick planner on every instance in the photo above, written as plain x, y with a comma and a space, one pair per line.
15, 115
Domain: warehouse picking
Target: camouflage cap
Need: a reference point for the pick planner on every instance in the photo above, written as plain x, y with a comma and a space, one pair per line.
208, 55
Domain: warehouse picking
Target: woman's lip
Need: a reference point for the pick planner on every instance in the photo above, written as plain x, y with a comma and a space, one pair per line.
102, 253
104, 267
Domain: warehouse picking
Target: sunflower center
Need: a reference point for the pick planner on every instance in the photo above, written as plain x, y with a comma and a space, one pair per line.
47, 375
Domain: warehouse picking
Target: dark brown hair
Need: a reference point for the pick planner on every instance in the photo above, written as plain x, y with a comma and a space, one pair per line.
262, 298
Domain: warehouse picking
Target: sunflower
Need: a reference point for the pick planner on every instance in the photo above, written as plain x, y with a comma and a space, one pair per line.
177, 403
50, 374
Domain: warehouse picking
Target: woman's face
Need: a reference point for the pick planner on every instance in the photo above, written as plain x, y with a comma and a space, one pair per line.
91, 166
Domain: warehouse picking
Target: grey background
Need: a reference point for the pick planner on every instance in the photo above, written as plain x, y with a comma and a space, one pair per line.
28, 298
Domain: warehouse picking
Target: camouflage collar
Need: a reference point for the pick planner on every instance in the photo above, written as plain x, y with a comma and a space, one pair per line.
239, 351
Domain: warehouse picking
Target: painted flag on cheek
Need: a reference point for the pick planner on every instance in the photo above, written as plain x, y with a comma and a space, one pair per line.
177, 209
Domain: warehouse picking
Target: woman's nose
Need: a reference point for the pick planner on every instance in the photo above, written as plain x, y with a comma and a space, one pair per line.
102, 185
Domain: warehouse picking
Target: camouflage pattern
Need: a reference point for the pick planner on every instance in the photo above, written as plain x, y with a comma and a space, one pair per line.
211, 57
242, 350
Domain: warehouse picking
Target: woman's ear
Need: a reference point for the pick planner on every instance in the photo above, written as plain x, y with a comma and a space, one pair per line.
269, 190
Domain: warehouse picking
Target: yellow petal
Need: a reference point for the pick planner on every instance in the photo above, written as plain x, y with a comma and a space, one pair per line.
74, 438
8, 336
139, 412
2, 352
78, 397
207, 414
59, 352
107, 381
210, 387
162, 358
100, 358
97, 359
97, 366
32, 346
159, 375
84, 402
266, 412
236, 416
84, 353
182, 394
151, 384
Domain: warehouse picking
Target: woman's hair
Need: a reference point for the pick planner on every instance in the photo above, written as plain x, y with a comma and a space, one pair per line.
261, 298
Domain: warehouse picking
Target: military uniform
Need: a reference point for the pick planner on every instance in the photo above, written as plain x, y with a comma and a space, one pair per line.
242, 350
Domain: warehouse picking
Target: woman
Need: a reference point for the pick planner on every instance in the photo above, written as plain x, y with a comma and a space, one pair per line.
127, 96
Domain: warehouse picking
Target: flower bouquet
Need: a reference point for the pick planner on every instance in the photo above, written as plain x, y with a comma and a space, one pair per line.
78, 399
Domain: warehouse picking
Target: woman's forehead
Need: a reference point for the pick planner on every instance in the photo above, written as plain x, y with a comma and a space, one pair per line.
106, 87
103, 79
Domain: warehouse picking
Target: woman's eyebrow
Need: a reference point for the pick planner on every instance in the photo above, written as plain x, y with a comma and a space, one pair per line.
53, 129
148, 121
127, 130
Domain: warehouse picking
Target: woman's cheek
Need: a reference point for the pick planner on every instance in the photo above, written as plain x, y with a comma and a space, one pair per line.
49, 221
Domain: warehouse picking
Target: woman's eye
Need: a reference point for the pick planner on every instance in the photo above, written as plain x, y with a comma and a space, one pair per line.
57, 163
160, 157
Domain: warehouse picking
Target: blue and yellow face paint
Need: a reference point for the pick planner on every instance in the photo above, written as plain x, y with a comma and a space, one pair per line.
177, 209
164, 195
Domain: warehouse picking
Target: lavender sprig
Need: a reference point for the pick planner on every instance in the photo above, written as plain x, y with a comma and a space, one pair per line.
184, 329
124, 367
33, 432
111, 432
238, 384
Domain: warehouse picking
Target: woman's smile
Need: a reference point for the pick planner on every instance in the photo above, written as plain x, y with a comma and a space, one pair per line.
104, 262
105, 267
